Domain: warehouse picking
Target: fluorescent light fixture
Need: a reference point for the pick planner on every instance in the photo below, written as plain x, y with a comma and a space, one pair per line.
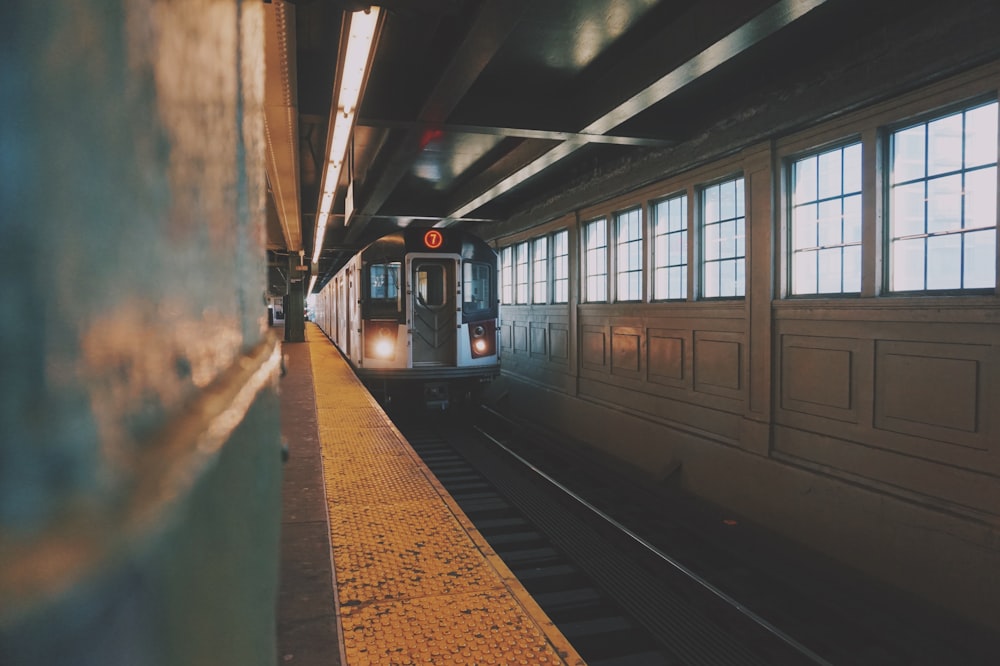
361, 36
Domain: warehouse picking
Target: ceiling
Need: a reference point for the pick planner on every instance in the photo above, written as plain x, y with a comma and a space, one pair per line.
476, 110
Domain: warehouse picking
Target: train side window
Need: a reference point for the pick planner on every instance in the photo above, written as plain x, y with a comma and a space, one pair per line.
382, 286
477, 288
383, 281
430, 285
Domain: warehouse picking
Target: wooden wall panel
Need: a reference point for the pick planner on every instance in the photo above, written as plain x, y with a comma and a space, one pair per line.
932, 390
819, 376
537, 339
718, 363
558, 342
666, 356
626, 351
520, 337
593, 347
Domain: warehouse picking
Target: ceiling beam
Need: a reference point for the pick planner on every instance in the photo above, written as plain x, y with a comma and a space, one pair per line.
755, 30
546, 135
495, 20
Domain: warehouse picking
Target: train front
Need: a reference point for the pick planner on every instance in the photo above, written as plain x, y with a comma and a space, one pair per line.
429, 313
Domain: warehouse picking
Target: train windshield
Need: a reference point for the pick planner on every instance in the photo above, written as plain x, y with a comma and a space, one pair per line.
383, 285
477, 288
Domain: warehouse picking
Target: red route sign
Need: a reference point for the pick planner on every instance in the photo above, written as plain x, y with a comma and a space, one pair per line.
433, 239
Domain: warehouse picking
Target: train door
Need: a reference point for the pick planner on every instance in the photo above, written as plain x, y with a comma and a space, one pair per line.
433, 310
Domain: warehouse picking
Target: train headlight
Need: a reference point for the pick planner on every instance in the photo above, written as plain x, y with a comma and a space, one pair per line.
482, 338
380, 339
383, 347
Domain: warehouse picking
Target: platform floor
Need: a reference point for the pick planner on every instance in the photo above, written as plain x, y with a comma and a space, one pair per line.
413, 581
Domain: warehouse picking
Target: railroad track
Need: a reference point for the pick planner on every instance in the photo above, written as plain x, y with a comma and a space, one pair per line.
617, 607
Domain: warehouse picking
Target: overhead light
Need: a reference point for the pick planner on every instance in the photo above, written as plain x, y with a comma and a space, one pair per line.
361, 36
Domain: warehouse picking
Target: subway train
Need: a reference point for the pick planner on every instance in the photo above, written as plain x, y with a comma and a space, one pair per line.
415, 314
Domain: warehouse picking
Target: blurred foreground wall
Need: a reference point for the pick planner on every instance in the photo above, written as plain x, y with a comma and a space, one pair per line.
139, 435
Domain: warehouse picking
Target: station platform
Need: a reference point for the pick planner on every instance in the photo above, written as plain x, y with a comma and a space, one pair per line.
379, 564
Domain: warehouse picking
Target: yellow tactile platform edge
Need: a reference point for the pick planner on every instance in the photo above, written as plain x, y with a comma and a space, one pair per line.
416, 582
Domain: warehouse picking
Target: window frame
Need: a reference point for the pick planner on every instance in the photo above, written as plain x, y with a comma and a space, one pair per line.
634, 246
588, 254
887, 134
701, 190
683, 196
789, 163
539, 271
559, 261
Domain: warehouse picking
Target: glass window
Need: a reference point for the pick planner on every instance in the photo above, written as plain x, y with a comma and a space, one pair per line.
477, 288
670, 231
560, 267
826, 222
942, 202
430, 285
595, 244
540, 269
383, 281
723, 221
521, 273
628, 246
507, 275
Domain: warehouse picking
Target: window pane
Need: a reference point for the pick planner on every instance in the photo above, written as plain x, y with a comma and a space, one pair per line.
596, 261
540, 269
670, 248
430, 285
829, 174
908, 154
804, 267
852, 219
477, 288
981, 136
981, 198
944, 145
852, 269
830, 232
560, 267
825, 226
908, 210
933, 220
804, 174
944, 204
944, 262
829, 270
908, 264
852, 168
521, 273
506, 275
804, 228
980, 265
724, 245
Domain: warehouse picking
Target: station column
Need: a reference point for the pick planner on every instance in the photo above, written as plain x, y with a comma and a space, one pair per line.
294, 302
